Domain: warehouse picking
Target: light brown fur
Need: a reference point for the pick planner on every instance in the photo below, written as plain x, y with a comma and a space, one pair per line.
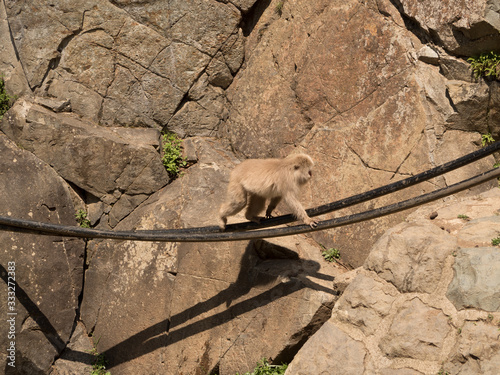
255, 180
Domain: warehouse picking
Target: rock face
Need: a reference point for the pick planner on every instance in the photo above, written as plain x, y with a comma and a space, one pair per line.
123, 64
374, 91
441, 315
44, 273
355, 97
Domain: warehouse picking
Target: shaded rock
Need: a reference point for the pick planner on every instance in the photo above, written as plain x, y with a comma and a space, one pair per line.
411, 256
455, 69
494, 111
350, 356
126, 302
202, 112
477, 279
54, 105
462, 27
48, 270
10, 66
428, 55
470, 102
218, 72
77, 357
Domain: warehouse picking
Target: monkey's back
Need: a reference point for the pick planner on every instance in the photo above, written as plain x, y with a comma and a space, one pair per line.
264, 177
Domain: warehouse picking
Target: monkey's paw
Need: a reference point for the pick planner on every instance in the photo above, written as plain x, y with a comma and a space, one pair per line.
222, 223
312, 223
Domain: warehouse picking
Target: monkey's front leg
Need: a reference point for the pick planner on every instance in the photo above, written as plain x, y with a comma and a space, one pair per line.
272, 205
298, 211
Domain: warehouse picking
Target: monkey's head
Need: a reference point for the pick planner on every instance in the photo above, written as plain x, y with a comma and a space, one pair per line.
302, 165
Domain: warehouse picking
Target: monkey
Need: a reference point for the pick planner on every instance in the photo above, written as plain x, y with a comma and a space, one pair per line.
253, 181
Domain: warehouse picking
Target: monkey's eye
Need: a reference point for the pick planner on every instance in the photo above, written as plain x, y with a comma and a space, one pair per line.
296, 167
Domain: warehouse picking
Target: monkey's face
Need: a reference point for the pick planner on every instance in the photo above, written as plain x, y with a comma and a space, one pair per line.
303, 172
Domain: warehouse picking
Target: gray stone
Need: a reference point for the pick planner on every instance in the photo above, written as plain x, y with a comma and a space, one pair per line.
470, 102
411, 256
218, 72
337, 353
428, 55
10, 66
417, 331
98, 160
477, 279
77, 358
366, 302
463, 28
54, 104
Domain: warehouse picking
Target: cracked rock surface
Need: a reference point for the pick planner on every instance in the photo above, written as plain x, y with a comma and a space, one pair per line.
375, 91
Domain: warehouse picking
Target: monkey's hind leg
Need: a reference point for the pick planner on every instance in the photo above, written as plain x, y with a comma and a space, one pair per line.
272, 205
236, 200
255, 206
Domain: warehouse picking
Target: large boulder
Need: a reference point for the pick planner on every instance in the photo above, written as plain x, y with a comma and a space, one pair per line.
43, 273
120, 167
422, 303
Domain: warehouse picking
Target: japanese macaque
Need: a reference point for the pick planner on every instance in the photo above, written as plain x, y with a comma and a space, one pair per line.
255, 180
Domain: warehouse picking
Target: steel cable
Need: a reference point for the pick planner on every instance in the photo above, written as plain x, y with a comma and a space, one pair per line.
13, 224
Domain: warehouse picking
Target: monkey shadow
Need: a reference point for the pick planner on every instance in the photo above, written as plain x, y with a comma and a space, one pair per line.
261, 265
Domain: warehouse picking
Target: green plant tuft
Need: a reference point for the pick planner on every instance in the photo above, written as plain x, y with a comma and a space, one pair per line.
485, 65
100, 362
264, 368
172, 154
331, 254
486, 139
464, 217
495, 241
81, 218
5, 99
